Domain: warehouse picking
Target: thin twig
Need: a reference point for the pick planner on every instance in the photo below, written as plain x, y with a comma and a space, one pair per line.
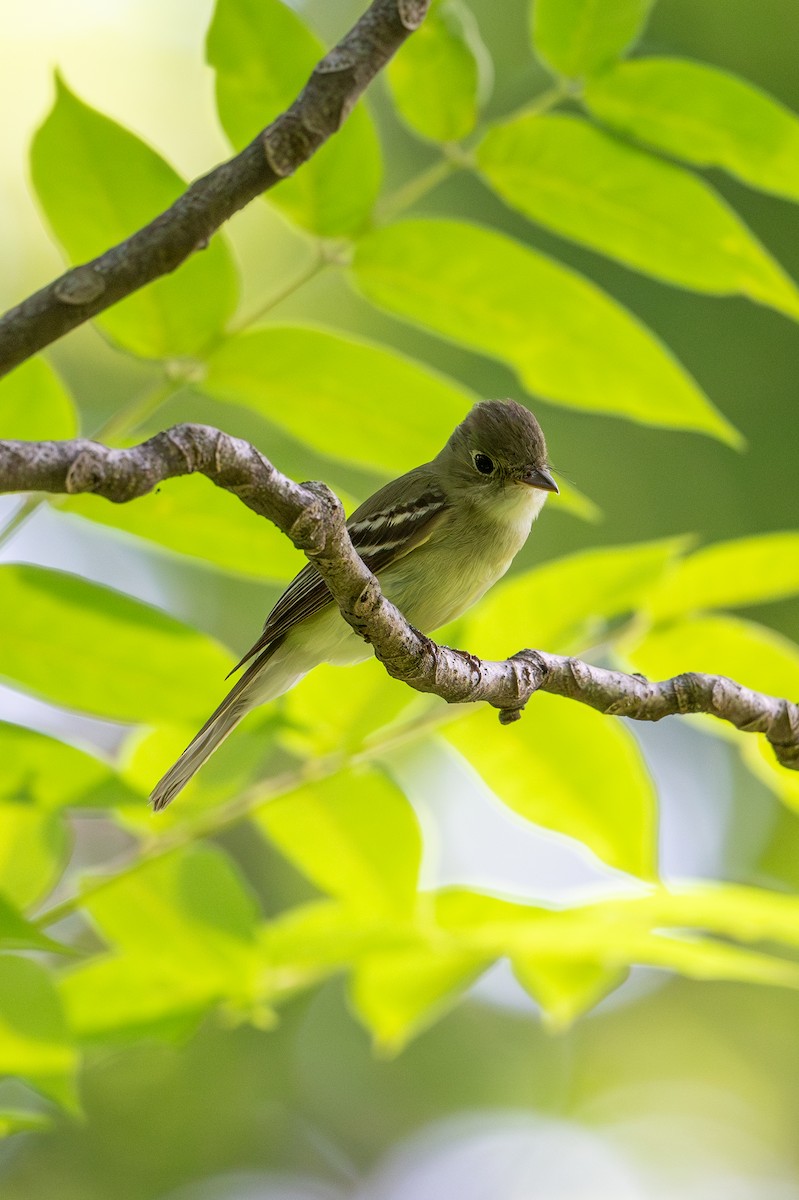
313, 519
320, 109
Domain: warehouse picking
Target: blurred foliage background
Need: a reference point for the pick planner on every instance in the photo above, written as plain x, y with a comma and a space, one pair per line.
198, 1040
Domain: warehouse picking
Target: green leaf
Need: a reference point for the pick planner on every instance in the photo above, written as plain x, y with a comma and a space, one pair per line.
98, 651
191, 517
14, 1120
568, 341
440, 77
704, 115
582, 37
650, 215
17, 933
571, 770
355, 836
748, 653
184, 927
83, 166
35, 405
398, 993
561, 605
566, 989
39, 778
744, 571
347, 398
34, 1043
263, 55
335, 711
38, 770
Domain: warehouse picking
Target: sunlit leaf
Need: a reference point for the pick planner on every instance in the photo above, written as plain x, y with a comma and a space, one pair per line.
184, 930
263, 54
17, 933
705, 115
571, 770
355, 836
438, 79
336, 710
563, 604
399, 992
566, 989
582, 37
35, 405
39, 778
718, 645
83, 165
191, 517
569, 176
739, 572
34, 1042
568, 340
347, 398
95, 650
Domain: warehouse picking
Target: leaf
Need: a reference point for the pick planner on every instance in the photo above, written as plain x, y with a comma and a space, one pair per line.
347, 398
263, 55
744, 571
571, 770
17, 933
35, 405
191, 517
440, 76
336, 711
40, 777
83, 165
748, 914
14, 1120
34, 1043
561, 604
184, 928
397, 993
650, 215
95, 650
704, 115
566, 989
355, 836
748, 653
568, 341
582, 37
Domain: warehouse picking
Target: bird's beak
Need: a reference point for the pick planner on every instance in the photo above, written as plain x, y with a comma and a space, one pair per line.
539, 477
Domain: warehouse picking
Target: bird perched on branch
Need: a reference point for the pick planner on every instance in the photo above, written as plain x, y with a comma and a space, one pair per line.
436, 538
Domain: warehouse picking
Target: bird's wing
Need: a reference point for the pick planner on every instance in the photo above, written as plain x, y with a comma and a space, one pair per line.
384, 529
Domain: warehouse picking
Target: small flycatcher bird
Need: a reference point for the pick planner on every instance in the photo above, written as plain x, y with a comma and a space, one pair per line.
436, 538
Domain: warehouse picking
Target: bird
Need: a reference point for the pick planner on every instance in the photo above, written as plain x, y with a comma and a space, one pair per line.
437, 538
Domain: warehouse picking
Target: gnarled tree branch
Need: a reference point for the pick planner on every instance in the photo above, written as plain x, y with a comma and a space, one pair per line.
313, 519
320, 109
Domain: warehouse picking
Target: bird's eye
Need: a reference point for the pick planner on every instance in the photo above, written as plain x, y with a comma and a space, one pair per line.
484, 464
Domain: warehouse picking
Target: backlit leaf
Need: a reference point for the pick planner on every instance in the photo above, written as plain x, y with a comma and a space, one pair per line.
35, 405
438, 78
582, 37
561, 605
355, 836
739, 572
569, 176
705, 115
718, 645
571, 770
83, 165
191, 517
347, 398
567, 340
96, 650
263, 54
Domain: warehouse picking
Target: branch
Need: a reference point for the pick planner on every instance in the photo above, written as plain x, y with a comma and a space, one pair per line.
320, 109
312, 517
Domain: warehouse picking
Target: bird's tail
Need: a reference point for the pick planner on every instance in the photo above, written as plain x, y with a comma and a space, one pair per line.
252, 689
